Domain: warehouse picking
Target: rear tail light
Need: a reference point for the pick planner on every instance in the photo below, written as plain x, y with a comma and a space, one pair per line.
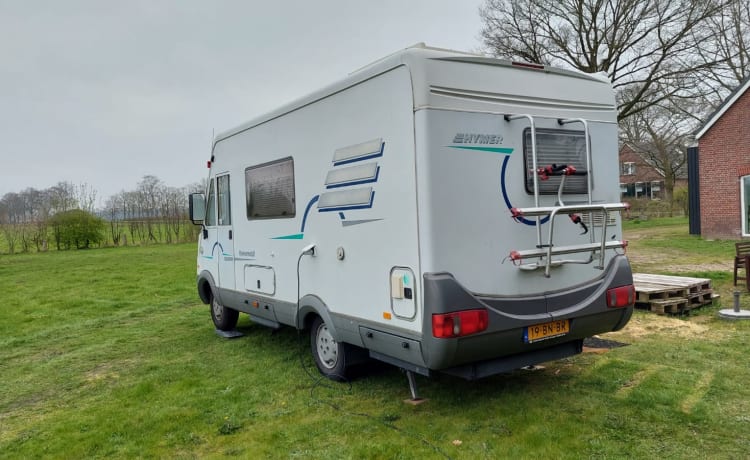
459, 323
622, 296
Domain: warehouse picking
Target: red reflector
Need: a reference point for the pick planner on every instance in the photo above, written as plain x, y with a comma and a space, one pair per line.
459, 323
622, 296
208, 164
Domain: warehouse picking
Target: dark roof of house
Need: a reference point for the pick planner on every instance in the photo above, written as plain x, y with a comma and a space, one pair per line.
719, 112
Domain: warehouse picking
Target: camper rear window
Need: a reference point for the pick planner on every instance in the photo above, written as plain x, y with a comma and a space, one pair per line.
558, 147
270, 190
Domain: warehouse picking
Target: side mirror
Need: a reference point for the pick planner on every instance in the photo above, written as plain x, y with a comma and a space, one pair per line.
197, 208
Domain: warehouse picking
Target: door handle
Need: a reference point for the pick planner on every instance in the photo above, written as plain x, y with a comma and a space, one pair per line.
230, 234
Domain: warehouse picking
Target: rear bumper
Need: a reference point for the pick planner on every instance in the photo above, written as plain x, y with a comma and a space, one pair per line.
502, 347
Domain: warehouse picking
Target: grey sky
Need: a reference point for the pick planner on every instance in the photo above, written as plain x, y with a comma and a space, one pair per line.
104, 92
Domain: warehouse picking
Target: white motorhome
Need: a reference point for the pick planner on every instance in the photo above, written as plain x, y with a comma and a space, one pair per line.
436, 210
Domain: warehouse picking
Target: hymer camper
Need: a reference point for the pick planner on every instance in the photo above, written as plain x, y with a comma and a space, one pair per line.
435, 210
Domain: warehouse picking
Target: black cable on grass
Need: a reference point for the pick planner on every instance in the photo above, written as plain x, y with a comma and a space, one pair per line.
385, 423
321, 381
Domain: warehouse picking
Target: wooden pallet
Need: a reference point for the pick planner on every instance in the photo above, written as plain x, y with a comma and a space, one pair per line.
693, 285
704, 297
647, 292
668, 306
664, 294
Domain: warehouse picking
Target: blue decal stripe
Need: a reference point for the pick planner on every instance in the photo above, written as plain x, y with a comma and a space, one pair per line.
347, 208
502, 150
307, 211
359, 182
296, 236
354, 160
507, 201
366, 157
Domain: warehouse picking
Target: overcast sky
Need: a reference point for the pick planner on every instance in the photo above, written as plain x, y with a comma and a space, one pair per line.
105, 92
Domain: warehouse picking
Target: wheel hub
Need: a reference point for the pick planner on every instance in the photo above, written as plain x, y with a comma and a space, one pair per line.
217, 308
327, 347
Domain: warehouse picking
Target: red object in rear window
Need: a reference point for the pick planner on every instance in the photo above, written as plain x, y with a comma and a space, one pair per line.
622, 296
459, 323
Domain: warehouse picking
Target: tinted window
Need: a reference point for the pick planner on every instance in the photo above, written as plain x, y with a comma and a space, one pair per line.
211, 206
270, 190
222, 188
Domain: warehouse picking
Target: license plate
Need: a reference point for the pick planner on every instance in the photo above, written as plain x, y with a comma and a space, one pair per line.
546, 331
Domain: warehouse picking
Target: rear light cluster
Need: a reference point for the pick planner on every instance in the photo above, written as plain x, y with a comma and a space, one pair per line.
459, 323
622, 296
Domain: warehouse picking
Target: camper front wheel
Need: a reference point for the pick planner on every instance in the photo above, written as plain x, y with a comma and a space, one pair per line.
225, 319
330, 355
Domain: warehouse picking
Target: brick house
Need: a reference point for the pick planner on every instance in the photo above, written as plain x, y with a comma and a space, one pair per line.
724, 168
638, 179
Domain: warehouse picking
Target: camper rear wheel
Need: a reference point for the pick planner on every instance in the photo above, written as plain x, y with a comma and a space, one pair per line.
225, 319
330, 356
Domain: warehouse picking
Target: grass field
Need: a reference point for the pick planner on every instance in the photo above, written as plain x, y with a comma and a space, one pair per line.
108, 353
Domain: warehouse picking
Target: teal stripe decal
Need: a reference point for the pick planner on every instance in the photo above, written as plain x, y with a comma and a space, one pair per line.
296, 236
502, 150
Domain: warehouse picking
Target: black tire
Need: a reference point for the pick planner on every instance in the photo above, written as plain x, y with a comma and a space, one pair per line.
330, 356
225, 319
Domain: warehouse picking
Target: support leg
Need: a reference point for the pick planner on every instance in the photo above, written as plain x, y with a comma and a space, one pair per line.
415, 399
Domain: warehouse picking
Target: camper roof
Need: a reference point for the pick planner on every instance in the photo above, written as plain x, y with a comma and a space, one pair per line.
417, 58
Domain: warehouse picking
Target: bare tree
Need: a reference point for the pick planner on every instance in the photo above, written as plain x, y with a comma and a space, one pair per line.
174, 202
32, 221
152, 212
114, 212
644, 46
660, 135
150, 189
85, 196
13, 209
63, 197
729, 43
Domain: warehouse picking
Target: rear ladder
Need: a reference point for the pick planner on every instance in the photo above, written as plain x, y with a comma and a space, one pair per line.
545, 250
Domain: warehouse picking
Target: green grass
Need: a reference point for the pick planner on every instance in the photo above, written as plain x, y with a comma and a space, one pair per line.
637, 223
108, 353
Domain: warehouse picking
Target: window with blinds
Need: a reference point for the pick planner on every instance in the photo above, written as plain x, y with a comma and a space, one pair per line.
556, 147
270, 190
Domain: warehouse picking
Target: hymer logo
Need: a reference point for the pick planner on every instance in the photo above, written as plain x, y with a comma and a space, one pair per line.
471, 138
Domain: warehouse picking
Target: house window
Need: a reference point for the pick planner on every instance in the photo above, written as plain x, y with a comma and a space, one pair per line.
627, 190
558, 147
270, 190
745, 203
628, 168
639, 189
655, 188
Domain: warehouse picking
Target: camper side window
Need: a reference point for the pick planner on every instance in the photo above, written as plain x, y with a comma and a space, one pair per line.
558, 147
225, 211
270, 190
211, 206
